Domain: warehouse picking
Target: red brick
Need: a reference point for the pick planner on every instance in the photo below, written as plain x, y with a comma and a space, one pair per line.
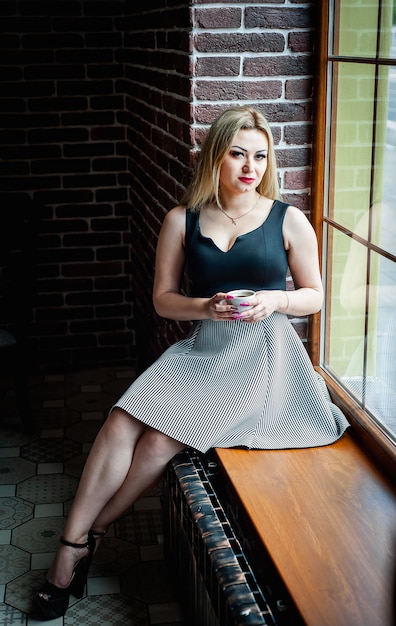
300, 200
240, 42
283, 18
225, 17
238, 90
298, 179
301, 41
278, 66
297, 157
217, 66
298, 134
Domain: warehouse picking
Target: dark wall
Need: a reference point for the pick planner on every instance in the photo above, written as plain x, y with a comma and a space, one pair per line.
64, 158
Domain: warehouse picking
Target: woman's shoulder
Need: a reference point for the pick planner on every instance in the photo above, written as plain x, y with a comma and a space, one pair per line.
179, 214
174, 224
296, 216
288, 209
296, 226
176, 216
177, 211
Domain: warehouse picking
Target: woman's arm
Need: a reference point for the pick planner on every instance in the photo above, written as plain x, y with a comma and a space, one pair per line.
302, 246
169, 266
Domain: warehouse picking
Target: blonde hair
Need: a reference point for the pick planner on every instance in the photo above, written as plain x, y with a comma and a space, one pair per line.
204, 186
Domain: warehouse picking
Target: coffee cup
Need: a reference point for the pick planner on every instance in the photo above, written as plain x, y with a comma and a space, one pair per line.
239, 297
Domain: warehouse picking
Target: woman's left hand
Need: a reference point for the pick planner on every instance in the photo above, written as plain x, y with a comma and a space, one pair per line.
265, 303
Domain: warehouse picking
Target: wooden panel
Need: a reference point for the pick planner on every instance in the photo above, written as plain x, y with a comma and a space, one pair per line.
327, 518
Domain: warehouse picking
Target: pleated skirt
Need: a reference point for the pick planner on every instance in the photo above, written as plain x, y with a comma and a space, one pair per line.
235, 384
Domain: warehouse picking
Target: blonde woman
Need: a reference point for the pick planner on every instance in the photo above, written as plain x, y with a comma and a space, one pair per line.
238, 378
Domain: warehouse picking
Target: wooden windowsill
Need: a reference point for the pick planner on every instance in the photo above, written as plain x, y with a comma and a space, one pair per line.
372, 438
327, 518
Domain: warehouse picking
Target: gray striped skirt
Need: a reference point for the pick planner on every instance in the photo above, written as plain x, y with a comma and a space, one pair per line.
237, 384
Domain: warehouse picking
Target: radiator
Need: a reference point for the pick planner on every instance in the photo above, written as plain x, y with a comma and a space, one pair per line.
218, 586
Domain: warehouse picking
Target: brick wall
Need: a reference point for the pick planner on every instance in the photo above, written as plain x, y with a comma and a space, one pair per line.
102, 109
157, 85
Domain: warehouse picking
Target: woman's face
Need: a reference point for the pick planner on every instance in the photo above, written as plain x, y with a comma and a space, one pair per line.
245, 163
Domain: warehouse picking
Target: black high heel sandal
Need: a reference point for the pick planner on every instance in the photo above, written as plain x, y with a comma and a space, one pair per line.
95, 535
57, 599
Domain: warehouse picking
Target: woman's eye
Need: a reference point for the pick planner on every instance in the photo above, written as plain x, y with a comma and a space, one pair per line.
236, 153
260, 157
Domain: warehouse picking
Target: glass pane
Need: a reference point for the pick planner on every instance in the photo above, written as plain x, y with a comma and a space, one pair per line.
351, 147
361, 347
363, 146
356, 28
345, 305
384, 206
376, 388
381, 382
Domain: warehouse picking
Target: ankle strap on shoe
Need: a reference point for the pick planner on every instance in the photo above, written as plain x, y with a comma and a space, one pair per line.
96, 533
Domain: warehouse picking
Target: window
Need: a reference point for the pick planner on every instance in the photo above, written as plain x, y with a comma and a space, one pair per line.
355, 204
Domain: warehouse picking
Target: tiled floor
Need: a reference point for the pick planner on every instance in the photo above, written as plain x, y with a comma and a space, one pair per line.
129, 583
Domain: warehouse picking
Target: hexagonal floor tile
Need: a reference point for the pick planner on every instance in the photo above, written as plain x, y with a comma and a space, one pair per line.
39, 535
20, 592
15, 562
114, 557
13, 470
14, 439
13, 512
50, 450
47, 488
116, 610
141, 527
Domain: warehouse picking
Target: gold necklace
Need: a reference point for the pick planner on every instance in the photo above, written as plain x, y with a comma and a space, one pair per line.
234, 219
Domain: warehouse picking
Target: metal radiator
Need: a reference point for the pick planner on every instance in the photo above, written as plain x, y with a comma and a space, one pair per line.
217, 584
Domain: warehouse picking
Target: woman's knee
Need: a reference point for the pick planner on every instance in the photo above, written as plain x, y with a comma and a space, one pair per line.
119, 424
158, 445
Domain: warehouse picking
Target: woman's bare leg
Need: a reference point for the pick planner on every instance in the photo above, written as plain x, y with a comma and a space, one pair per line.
111, 481
153, 452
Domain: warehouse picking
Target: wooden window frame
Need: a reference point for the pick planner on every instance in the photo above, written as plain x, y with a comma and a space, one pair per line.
370, 435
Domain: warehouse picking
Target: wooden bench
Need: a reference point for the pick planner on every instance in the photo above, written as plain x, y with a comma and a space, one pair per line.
327, 519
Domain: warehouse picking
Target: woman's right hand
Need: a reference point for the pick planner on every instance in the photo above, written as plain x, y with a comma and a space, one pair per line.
218, 309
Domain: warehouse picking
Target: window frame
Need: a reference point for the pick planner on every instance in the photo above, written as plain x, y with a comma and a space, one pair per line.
362, 425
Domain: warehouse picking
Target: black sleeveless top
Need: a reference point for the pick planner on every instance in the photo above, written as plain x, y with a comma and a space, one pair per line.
257, 260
